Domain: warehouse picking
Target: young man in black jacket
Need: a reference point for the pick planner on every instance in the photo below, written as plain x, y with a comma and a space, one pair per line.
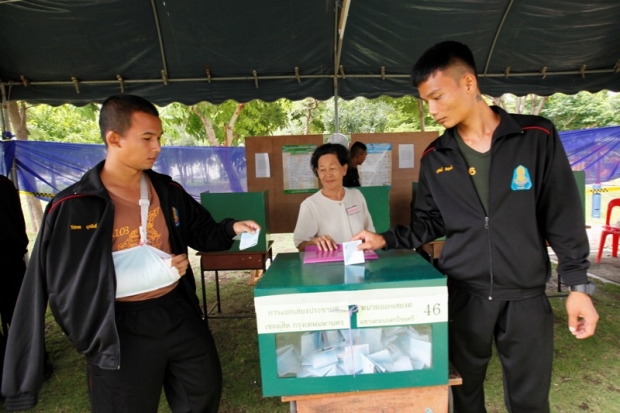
358, 154
138, 333
498, 186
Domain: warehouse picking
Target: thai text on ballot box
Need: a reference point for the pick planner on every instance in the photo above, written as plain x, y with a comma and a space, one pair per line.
327, 327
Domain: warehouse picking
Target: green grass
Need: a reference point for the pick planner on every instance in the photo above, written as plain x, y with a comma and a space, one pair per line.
586, 372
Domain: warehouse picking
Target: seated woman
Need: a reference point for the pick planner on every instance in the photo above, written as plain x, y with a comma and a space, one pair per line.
335, 213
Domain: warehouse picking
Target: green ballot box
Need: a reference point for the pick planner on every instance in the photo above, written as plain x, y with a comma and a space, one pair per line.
241, 206
327, 327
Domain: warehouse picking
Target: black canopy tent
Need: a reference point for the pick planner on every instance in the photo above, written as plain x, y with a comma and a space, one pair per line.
67, 51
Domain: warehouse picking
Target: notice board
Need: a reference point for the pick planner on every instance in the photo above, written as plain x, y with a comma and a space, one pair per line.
284, 208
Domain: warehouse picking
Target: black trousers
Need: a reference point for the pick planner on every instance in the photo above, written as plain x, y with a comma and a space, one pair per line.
523, 333
163, 342
11, 277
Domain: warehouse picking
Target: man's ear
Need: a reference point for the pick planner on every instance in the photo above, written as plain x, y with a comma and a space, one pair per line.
112, 138
470, 82
346, 167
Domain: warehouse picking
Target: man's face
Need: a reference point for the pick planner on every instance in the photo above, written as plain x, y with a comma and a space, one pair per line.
360, 158
445, 93
140, 145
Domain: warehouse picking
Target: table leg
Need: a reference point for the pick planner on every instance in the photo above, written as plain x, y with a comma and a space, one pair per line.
204, 294
217, 291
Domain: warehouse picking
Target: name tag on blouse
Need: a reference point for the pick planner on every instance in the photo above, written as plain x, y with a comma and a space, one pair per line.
353, 210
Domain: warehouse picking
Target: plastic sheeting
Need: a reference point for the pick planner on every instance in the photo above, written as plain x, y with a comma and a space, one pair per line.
68, 51
596, 151
45, 168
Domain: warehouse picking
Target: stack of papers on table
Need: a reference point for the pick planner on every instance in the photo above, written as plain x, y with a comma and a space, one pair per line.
314, 255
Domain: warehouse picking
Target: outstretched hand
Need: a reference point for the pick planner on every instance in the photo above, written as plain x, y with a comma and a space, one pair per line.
582, 316
370, 240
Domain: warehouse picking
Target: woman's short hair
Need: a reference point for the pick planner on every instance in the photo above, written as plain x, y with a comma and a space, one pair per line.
337, 149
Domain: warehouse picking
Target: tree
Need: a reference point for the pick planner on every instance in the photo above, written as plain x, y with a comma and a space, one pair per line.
409, 115
226, 124
530, 104
305, 117
583, 110
66, 123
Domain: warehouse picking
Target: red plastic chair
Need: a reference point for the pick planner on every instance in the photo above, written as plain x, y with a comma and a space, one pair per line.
609, 230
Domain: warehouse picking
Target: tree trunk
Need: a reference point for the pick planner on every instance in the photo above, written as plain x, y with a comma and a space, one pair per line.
539, 108
17, 117
311, 107
206, 122
231, 125
498, 101
421, 114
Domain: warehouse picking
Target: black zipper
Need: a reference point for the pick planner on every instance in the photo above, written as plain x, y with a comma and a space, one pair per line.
486, 226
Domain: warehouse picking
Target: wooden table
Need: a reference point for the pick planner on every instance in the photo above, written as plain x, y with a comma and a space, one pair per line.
433, 249
433, 399
229, 261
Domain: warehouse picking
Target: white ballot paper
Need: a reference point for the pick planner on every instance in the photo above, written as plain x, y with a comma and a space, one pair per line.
248, 239
351, 254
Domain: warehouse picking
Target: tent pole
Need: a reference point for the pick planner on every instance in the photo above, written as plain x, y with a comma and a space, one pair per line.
336, 123
6, 127
3, 114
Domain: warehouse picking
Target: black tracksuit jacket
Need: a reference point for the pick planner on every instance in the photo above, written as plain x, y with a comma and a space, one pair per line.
72, 267
501, 254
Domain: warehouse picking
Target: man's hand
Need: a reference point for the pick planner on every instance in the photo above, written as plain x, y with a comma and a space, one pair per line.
245, 226
180, 262
370, 240
582, 316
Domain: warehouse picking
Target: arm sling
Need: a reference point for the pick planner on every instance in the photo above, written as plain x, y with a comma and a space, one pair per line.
142, 268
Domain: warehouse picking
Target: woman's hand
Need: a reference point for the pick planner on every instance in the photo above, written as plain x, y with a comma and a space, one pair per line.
325, 243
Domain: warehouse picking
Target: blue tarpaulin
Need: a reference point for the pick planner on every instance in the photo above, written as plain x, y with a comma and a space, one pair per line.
45, 168
596, 151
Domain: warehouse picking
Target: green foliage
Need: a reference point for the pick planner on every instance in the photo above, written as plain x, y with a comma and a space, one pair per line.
406, 115
64, 123
358, 115
185, 125
190, 125
583, 110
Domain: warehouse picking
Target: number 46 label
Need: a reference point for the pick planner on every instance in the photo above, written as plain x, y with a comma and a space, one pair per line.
402, 311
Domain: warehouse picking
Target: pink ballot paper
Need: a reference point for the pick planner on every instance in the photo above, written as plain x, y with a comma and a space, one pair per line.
313, 255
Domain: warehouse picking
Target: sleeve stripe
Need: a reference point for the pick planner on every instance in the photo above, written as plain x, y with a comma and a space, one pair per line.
64, 199
537, 127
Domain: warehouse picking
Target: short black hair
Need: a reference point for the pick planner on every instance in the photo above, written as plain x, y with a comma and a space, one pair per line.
440, 57
334, 148
357, 148
116, 113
